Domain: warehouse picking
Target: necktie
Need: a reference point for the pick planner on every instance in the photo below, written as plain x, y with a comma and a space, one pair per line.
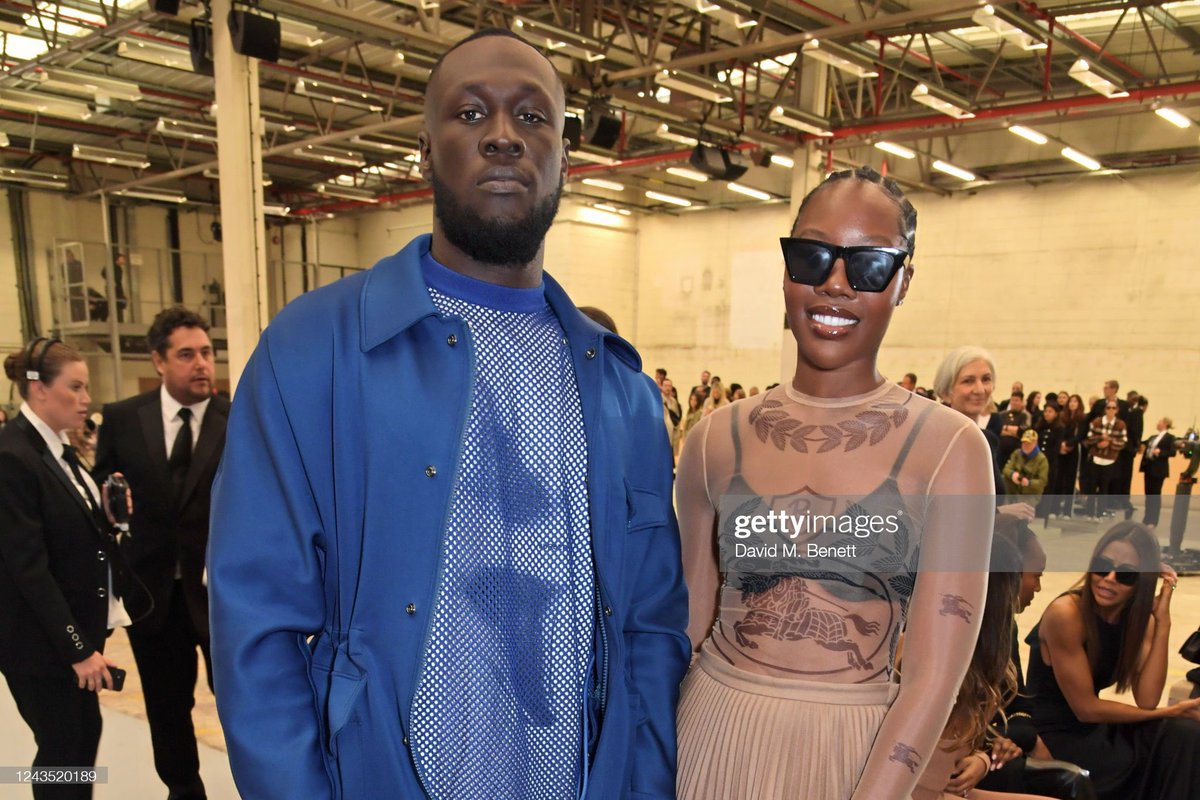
181, 453
72, 458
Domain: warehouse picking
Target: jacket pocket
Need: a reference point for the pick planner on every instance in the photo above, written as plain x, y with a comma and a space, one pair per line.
645, 509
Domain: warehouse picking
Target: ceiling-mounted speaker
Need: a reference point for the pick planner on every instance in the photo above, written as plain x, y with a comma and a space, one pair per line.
573, 132
164, 6
254, 34
601, 129
762, 158
724, 165
200, 45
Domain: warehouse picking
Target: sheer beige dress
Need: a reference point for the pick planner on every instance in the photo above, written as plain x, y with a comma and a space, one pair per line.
791, 695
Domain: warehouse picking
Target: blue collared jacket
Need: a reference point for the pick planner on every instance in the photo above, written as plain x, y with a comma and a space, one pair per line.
326, 538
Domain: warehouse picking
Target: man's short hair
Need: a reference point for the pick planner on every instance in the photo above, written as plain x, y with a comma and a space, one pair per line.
484, 33
166, 322
1018, 393
1113, 383
912, 376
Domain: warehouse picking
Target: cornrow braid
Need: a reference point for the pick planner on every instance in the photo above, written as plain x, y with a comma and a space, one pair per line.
908, 214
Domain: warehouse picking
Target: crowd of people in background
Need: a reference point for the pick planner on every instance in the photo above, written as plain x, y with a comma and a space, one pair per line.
1065, 457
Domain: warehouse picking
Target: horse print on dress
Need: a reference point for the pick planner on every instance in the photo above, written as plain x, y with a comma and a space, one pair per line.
903, 754
955, 606
785, 611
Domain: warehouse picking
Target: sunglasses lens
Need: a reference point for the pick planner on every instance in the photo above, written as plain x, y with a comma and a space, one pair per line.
807, 263
871, 270
1126, 576
1101, 566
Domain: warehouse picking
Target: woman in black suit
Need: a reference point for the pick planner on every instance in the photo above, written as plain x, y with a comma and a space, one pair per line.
1156, 466
63, 583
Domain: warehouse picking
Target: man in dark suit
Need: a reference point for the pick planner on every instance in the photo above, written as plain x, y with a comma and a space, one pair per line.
1156, 466
1134, 422
168, 443
1111, 387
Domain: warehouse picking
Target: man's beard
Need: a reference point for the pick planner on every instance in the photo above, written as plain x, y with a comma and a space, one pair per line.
503, 242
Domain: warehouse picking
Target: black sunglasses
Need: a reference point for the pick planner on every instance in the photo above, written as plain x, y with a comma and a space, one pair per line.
1126, 575
869, 269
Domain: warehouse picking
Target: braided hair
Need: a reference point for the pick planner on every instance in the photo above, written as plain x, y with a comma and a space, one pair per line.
908, 214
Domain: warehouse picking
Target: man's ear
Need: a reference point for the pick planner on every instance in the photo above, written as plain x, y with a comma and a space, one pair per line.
566, 162
908, 274
424, 152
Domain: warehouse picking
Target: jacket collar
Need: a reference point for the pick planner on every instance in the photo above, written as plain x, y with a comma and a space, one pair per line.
394, 298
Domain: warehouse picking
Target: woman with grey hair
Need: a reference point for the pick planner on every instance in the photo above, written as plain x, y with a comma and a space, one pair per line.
964, 381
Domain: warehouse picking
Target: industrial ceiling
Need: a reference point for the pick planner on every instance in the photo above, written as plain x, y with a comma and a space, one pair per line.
946, 95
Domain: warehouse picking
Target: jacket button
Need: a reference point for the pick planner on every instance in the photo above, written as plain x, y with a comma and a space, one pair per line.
101, 592
100, 555
411, 608
70, 629
608, 611
405, 740
591, 352
430, 471
452, 340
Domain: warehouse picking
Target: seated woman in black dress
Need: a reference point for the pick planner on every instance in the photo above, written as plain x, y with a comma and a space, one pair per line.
1113, 629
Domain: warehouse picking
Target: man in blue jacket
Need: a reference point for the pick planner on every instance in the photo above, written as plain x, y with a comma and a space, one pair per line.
443, 561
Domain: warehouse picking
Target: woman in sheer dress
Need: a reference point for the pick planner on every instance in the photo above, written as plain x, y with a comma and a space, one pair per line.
791, 695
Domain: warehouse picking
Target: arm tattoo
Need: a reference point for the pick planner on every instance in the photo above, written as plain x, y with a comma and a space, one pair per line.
907, 756
954, 605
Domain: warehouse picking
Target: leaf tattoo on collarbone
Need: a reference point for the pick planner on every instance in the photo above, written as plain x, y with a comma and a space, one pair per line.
869, 427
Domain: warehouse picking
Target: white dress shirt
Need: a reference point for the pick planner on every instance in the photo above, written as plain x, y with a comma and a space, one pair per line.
118, 617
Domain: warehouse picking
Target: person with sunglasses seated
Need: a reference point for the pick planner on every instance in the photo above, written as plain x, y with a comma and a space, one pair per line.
793, 692
1112, 629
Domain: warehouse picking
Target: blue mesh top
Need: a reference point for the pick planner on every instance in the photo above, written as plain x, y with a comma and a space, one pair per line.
498, 708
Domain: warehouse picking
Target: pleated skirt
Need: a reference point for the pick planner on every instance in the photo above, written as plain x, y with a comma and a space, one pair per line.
744, 736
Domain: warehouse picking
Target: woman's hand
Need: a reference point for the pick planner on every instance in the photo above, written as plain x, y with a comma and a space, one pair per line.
92, 673
1004, 750
1022, 511
104, 500
1162, 603
969, 771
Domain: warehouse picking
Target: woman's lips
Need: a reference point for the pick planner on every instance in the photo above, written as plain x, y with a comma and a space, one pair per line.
829, 322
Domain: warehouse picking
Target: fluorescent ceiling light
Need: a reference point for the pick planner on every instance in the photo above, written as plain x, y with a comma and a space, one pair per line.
557, 38
669, 198
1089, 76
29, 177
1174, 117
11, 22
665, 132
986, 17
594, 158
36, 103
840, 57
808, 123
307, 87
300, 33
1080, 158
625, 212
1028, 133
214, 175
347, 193
895, 149
690, 174
927, 97
161, 195
741, 23
705, 7
276, 209
694, 85
382, 144
782, 161
600, 183
181, 129
160, 55
83, 83
331, 155
3, 139
748, 191
950, 169
390, 169
120, 158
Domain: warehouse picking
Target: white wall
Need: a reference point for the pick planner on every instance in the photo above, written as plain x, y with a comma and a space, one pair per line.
1067, 284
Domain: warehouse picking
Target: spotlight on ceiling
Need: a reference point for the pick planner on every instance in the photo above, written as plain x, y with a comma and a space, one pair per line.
715, 162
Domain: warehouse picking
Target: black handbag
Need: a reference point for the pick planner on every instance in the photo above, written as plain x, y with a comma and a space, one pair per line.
1191, 648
